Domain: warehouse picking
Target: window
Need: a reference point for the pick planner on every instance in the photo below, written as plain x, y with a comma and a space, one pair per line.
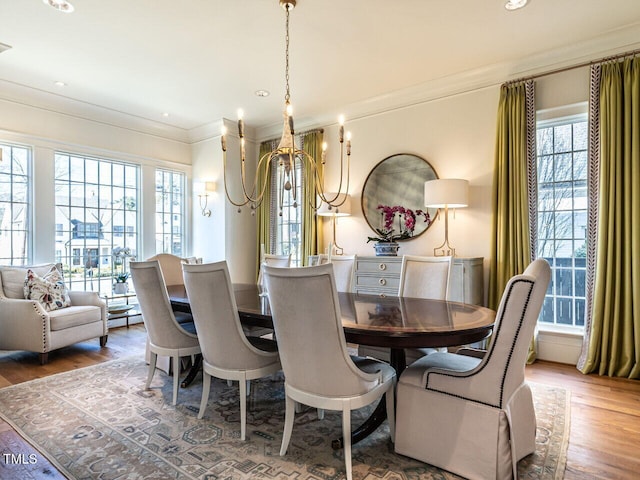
170, 212
288, 226
96, 201
15, 207
562, 217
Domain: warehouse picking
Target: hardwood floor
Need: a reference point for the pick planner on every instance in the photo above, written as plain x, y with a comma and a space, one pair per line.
605, 412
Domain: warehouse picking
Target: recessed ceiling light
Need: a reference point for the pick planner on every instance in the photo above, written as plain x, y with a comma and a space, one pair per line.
515, 4
262, 93
59, 84
61, 5
165, 114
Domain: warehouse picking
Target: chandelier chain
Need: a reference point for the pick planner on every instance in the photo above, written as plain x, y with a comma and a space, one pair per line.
287, 96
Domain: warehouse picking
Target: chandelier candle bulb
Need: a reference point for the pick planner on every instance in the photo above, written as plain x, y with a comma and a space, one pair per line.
341, 132
223, 138
240, 124
348, 143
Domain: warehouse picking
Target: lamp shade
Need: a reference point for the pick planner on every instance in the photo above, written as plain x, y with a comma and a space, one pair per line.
343, 210
446, 192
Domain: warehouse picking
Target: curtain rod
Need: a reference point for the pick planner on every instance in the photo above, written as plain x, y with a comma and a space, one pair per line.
579, 65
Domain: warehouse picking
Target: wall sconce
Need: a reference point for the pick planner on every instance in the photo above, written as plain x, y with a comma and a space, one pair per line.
446, 193
343, 209
204, 198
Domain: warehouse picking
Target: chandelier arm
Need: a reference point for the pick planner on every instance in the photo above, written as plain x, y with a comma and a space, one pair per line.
319, 187
265, 159
253, 198
226, 188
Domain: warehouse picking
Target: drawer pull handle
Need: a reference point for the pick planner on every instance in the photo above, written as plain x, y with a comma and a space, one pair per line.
382, 281
382, 266
383, 295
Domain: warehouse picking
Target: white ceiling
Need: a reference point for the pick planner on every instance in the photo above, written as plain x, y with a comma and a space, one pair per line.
200, 60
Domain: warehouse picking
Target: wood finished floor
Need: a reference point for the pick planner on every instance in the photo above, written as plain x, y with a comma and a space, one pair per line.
605, 412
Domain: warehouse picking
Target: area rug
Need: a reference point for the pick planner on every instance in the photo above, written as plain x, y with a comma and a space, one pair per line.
99, 422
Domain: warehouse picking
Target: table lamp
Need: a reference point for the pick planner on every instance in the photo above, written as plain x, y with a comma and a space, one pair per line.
343, 209
446, 193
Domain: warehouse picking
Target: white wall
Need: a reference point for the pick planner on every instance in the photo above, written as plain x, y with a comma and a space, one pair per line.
456, 136
228, 234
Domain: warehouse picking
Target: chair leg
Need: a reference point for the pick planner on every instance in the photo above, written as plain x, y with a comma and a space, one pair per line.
176, 377
243, 408
103, 340
289, 415
346, 436
248, 387
206, 387
391, 416
321, 414
44, 358
153, 359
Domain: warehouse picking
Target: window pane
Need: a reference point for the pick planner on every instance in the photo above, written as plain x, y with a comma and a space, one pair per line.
562, 138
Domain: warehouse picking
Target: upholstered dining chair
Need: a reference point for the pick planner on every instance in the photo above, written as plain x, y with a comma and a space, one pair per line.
274, 261
425, 277
343, 268
227, 352
420, 277
474, 416
306, 312
171, 268
165, 335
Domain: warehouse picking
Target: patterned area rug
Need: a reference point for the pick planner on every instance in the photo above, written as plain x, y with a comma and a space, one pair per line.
99, 422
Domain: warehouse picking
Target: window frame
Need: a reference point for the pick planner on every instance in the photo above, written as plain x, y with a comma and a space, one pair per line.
569, 116
8, 159
82, 271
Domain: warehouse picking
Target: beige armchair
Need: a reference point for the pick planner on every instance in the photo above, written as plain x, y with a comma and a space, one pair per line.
474, 416
27, 325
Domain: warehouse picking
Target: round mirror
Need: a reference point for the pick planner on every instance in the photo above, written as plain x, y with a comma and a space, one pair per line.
397, 180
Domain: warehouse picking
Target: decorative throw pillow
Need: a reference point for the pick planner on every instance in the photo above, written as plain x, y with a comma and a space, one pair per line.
49, 289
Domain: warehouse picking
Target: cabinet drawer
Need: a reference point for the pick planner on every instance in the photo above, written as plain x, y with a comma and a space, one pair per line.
388, 267
390, 284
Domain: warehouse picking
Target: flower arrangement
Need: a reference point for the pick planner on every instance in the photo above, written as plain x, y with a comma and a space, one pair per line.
406, 223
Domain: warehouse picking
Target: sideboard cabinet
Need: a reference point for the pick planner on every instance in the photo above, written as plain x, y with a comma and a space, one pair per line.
381, 276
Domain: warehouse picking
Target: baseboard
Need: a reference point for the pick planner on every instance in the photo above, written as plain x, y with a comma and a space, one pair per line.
559, 347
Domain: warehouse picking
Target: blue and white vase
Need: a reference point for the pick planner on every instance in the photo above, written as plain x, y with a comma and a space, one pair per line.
386, 249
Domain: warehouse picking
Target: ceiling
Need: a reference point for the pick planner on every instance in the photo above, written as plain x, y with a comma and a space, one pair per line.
200, 60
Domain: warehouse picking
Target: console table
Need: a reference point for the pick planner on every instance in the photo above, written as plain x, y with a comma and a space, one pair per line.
381, 276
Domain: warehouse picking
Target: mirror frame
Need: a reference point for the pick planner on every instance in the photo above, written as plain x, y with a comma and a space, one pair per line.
394, 197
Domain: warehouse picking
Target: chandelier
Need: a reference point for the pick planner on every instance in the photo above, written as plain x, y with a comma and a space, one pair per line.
287, 156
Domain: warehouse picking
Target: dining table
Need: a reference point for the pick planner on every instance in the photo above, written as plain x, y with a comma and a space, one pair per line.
374, 320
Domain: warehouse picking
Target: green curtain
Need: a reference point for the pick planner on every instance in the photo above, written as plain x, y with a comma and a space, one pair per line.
512, 244
263, 212
312, 144
614, 333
